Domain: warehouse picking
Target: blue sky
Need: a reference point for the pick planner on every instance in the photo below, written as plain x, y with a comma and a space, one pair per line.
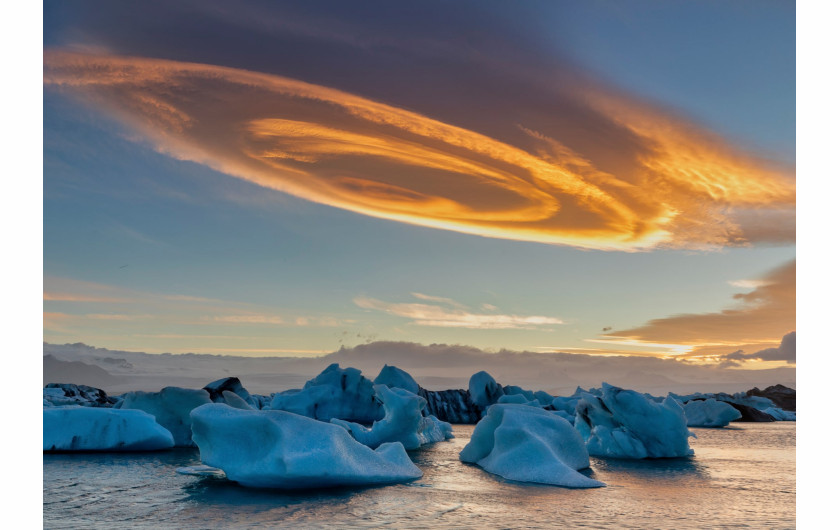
144, 251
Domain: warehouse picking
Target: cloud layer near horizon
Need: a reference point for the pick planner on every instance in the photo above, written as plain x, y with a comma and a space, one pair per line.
639, 178
760, 318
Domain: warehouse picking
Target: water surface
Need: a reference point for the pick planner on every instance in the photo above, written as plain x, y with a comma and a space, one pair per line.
741, 476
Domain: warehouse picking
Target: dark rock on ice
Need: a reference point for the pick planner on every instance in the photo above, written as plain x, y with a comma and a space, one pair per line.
451, 406
782, 396
70, 394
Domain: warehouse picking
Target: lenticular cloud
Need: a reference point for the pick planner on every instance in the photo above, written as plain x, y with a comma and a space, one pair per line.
676, 187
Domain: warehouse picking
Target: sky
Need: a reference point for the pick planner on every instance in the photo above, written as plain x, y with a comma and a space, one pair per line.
265, 178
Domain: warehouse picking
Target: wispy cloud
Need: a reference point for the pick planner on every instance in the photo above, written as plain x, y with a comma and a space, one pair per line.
300, 321
435, 315
677, 186
747, 284
439, 299
72, 297
116, 316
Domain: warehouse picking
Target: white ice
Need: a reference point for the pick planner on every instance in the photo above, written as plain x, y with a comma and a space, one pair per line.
75, 428
403, 422
626, 424
171, 408
529, 444
279, 449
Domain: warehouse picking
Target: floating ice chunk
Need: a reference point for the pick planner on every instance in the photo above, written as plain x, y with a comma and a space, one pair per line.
335, 393
393, 377
403, 422
529, 444
74, 428
709, 413
171, 408
625, 424
484, 390
279, 449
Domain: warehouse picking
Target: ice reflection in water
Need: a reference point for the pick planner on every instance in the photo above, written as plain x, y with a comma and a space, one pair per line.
739, 476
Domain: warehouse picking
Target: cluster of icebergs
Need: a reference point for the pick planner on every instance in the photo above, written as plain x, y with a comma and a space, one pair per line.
344, 429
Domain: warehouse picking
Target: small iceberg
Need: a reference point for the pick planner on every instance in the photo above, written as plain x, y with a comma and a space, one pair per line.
75, 428
626, 424
403, 422
709, 413
529, 444
171, 408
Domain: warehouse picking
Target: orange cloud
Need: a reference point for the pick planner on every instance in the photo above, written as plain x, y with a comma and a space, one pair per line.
761, 318
671, 186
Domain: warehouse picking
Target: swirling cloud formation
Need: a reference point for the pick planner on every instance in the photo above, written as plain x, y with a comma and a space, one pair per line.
669, 185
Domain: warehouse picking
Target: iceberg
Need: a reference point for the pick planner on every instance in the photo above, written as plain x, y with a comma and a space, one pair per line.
529, 444
279, 449
709, 413
626, 424
74, 428
171, 408
393, 377
403, 422
335, 393
484, 390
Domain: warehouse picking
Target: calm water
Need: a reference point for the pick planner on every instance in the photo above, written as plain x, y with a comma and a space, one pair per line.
741, 476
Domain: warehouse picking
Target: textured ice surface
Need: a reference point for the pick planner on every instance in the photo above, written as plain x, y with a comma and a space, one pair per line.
529, 444
709, 413
279, 449
626, 424
403, 422
171, 408
75, 428
335, 393
393, 377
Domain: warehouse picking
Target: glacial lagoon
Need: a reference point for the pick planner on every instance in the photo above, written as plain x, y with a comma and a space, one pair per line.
743, 475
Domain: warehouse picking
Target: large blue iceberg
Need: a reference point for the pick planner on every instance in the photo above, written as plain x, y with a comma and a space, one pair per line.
626, 424
279, 449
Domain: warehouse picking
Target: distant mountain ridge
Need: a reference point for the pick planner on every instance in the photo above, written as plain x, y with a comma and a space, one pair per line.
434, 366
